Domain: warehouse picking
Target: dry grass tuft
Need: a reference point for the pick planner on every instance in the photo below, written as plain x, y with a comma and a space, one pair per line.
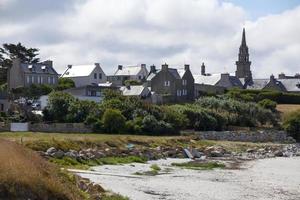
287, 108
25, 175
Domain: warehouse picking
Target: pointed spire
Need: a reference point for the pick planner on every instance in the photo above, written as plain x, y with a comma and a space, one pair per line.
244, 38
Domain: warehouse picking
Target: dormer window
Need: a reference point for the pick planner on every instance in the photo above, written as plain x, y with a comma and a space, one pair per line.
30, 67
100, 76
95, 75
184, 82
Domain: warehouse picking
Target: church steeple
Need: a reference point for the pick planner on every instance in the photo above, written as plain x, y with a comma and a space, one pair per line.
244, 38
243, 63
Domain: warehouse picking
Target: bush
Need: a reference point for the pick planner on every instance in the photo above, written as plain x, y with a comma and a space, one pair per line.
291, 123
268, 104
113, 121
65, 83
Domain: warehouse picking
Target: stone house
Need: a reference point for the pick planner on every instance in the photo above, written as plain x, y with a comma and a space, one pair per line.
85, 74
26, 74
138, 73
170, 85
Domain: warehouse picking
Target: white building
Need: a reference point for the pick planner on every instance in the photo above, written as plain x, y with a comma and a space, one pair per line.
85, 74
123, 73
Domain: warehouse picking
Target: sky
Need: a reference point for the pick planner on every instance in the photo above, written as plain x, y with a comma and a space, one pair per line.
177, 32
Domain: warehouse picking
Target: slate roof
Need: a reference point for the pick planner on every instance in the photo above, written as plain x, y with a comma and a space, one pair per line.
128, 71
39, 68
291, 85
258, 84
133, 90
79, 71
173, 71
207, 80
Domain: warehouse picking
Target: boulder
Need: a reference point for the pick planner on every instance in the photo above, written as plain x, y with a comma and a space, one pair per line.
216, 153
51, 150
278, 153
58, 154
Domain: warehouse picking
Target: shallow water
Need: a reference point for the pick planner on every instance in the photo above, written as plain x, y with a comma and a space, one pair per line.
268, 179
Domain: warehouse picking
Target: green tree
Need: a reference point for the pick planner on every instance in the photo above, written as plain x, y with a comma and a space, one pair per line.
65, 83
113, 121
58, 107
11, 51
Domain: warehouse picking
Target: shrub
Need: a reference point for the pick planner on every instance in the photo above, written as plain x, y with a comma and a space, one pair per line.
291, 123
268, 104
65, 83
113, 121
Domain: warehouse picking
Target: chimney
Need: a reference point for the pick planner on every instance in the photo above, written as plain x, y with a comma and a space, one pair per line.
120, 67
281, 76
152, 69
97, 64
203, 70
143, 65
164, 67
272, 78
225, 76
48, 63
186, 67
69, 66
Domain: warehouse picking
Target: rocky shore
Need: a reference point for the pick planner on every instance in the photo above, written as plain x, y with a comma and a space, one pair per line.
268, 151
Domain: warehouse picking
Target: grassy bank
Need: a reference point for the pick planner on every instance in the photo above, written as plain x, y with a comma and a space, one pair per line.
287, 108
43, 141
25, 175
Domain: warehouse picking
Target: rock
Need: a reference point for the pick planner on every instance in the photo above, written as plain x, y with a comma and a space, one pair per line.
72, 154
250, 150
58, 154
95, 189
216, 153
51, 150
278, 153
99, 154
298, 153
83, 185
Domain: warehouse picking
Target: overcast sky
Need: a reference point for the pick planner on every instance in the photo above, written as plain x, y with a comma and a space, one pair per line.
176, 32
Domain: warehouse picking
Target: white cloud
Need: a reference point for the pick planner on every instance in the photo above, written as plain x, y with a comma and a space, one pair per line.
155, 31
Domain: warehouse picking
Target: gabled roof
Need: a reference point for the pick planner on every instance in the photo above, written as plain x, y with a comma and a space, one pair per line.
39, 68
128, 71
207, 80
291, 85
258, 84
79, 71
173, 71
133, 90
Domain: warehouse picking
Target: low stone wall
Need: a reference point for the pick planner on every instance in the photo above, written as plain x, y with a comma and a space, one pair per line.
245, 136
60, 128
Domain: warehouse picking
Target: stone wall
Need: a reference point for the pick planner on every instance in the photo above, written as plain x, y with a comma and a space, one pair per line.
244, 136
60, 128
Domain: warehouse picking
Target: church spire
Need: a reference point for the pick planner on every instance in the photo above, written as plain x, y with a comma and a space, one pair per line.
243, 63
244, 38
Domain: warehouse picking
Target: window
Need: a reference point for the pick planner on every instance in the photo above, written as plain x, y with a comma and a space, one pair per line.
184, 92
100, 76
49, 80
93, 93
178, 93
39, 80
32, 79
140, 77
2, 107
184, 82
167, 83
95, 75
52, 80
98, 94
28, 79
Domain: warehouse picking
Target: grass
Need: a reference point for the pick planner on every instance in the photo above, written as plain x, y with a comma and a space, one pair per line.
153, 172
86, 164
199, 165
65, 142
25, 175
287, 108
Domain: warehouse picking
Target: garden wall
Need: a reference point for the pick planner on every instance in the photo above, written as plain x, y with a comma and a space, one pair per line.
60, 128
245, 136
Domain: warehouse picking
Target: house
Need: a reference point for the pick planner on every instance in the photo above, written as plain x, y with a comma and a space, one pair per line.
228, 81
138, 73
141, 91
26, 74
4, 103
281, 85
85, 74
86, 92
205, 83
171, 85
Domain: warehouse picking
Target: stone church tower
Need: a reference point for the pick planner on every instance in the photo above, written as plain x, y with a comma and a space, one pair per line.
243, 64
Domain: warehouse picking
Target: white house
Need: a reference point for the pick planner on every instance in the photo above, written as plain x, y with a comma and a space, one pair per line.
123, 73
85, 74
